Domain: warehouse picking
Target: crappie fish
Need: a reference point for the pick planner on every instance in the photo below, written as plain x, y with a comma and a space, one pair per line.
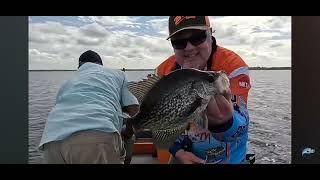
170, 103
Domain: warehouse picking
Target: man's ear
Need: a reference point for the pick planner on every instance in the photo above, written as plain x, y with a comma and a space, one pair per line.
98, 63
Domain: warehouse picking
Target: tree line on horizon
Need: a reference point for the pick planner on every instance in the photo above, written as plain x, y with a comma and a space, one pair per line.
125, 69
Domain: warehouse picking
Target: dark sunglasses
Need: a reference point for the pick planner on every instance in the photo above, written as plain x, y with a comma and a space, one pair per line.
195, 39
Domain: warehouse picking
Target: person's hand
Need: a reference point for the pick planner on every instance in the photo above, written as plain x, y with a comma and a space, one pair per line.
131, 110
127, 132
220, 109
185, 157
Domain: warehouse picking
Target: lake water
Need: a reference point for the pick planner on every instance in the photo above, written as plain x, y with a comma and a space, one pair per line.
269, 107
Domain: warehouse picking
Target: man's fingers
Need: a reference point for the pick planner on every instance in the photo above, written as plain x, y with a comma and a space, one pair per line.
195, 159
224, 105
221, 101
227, 94
213, 105
186, 157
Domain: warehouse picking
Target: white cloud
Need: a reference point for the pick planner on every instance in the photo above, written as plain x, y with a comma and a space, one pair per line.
93, 30
160, 26
110, 20
260, 41
135, 42
87, 19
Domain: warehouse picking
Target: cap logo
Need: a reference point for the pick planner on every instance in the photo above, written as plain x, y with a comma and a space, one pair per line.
178, 19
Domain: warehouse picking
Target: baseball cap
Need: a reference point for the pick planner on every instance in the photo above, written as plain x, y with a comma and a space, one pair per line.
179, 23
90, 56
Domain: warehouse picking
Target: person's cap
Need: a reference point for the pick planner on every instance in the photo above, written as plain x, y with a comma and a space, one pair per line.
90, 56
179, 23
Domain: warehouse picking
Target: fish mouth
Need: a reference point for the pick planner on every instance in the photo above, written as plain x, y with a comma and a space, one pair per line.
219, 73
213, 77
224, 75
220, 82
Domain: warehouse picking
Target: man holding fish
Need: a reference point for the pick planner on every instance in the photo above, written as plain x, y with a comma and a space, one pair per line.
228, 119
202, 94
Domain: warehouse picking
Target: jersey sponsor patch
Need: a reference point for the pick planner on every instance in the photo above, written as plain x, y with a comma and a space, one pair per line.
215, 152
240, 131
244, 82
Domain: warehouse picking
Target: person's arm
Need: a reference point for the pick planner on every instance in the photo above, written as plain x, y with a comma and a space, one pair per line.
130, 105
178, 150
228, 118
129, 102
61, 91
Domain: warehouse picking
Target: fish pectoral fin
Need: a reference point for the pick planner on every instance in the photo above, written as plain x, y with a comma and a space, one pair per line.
193, 106
163, 139
141, 88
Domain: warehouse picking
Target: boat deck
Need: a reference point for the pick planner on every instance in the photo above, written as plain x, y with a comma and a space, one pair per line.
144, 159
144, 152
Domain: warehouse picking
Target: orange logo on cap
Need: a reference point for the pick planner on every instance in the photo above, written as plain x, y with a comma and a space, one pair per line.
178, 19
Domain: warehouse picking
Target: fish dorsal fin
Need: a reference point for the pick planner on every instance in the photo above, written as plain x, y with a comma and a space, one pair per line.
140, 88
163, 139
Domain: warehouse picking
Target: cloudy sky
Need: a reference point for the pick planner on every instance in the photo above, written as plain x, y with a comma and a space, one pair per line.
56, 42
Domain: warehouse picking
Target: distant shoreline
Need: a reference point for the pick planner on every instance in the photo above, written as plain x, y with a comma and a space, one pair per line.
117, 69
270, 68
251, 68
